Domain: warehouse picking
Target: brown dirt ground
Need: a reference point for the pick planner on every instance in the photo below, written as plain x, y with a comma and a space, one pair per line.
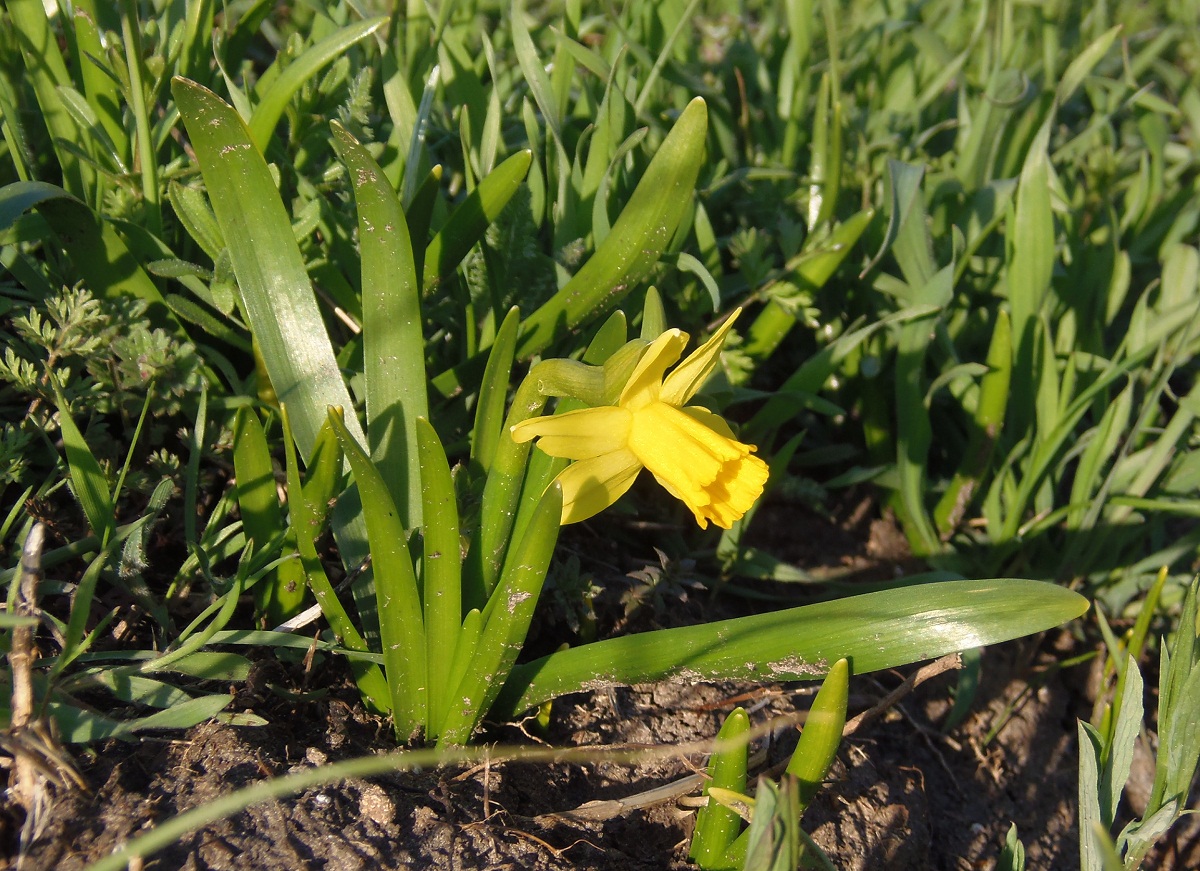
902, 795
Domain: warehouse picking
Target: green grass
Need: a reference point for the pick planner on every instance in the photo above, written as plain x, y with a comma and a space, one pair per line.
335, 256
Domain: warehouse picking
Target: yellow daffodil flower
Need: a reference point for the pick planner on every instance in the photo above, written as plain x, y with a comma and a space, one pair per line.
689, 450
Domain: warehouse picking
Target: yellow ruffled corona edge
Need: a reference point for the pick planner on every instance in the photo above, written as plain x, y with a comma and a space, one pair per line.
689, 450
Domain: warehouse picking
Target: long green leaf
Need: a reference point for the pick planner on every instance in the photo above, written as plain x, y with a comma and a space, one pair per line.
637, 240
505, 621
144, 139
501, 498
822, 733
905, 200
716, 825
393, 344
467, 223
87, 479
493, 390
280, 594
1031, 258
914, 431
46, 72
442, 575
1118, 754
197, 39
189, 643
1090, 782
77, 725
814, 754
825, 166
420, 212
306, 523
276, 292
534, 70
1081, 67
172, 830
81, 609
99, 83
986, 424
1051, 444
874, 631
810, 270
401, 626
195, 214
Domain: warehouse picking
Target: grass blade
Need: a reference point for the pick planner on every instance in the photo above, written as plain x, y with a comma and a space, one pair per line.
306, 524
87, 478
493, 391
914, 431
501, 498
281, 593
286, 84
1032, 256
99, 84
1081, 67
420, 212
46, 72
809, 270
986, 424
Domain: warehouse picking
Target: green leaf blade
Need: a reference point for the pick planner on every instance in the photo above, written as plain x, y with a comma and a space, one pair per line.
505, 621
305, 519
467, 223
822, 733
716, 825
283, 88
276, 292
637, 240
87, 478
874, 631
442, 574
401, 626
393, 343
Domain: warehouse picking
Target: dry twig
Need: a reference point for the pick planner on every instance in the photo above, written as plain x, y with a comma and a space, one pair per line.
940, 666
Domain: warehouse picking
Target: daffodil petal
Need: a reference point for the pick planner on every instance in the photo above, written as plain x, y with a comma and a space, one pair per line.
712, 421
736, 489
680, 449
646, 380
577, 435
690, 375
715, 476
590, 486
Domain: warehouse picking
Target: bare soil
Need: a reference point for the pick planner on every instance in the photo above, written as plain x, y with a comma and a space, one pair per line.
903, 794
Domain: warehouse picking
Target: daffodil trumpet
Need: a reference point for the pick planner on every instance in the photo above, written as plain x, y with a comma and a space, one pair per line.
691, 451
